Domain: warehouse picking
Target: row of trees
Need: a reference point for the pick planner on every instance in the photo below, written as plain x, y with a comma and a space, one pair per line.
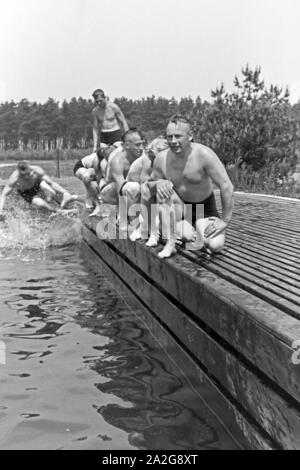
253, 124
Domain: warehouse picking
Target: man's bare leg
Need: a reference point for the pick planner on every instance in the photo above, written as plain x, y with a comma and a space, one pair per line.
212, 245
172, 211
132, 191
108, 195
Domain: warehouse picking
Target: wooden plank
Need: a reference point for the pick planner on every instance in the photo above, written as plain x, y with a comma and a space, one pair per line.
253, 252
278, 417
263, 264
284, 252
187, 330
246, 323
252, 244
271, 280
255, 232
260, 285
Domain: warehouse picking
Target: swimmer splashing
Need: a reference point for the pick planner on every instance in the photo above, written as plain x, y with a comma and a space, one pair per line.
36, 188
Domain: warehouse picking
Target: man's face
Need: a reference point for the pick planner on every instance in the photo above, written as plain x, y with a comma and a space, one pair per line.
134, 144
26, 173
100, 100
178, 136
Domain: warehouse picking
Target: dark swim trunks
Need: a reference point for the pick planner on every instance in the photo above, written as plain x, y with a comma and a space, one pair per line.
110, 137
29, 194
77, 165
206, 208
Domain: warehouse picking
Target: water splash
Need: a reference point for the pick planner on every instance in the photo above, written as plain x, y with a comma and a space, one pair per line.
25, 230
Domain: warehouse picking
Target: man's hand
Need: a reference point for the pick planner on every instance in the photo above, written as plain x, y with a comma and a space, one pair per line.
215, 227
164, 189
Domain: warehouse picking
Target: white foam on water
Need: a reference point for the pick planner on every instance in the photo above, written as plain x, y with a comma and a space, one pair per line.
25, 230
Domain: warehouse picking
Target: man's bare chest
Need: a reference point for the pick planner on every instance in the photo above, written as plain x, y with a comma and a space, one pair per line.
106, 114
188, 172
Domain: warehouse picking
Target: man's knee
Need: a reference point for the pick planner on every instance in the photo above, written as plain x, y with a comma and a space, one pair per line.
38, 202
145, 192
132, 190
109, 194
88, 176
216, 244
185, 230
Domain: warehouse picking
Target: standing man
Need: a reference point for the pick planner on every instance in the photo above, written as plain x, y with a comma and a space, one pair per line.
108, 120
183, 178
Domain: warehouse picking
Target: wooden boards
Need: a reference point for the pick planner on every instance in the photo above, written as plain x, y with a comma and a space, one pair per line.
232, 317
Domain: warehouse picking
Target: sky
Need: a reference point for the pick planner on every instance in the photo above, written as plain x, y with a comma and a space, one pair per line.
137, 48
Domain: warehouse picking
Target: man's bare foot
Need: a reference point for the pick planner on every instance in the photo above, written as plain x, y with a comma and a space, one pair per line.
65, 200
96, 212
153, 240
196, 244
136, 235
168, 251
64, 212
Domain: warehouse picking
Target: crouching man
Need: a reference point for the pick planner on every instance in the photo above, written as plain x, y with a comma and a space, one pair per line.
183, 177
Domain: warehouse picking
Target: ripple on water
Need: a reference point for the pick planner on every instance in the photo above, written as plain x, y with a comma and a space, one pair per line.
83, 371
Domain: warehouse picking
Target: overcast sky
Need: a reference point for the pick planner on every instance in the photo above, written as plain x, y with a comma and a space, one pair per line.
136, 48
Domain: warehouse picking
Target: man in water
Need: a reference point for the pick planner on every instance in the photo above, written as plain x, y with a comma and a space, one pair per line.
184, 175
108, 119
35, 187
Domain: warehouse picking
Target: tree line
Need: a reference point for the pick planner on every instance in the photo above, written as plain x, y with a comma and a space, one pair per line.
253, 125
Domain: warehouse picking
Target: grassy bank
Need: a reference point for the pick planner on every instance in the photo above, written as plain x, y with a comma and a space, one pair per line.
7, 156
272, 179
50, 167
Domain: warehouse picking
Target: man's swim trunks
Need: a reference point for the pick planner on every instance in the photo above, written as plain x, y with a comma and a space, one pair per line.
29, 194
77, 165
206, 208
110, 137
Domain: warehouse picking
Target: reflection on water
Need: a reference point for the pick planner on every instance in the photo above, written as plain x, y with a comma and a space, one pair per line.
83, 370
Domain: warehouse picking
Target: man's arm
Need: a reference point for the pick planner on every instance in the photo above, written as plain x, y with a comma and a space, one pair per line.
216, 170
55, 186
96, 126
157, 181
8, 189
135, 170
120, 118
117, 172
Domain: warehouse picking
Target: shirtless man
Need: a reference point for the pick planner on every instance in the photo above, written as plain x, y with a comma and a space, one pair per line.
91, 171
140, 172
184, 174
119, 163
33, 185
108, 119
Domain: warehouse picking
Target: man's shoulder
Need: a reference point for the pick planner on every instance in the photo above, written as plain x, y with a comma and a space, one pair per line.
202, 150
13, 178
161, 156
37, 169
116, 155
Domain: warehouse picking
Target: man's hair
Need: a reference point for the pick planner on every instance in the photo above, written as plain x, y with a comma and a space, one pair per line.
131, 131
98, 92
23, 165
177, 118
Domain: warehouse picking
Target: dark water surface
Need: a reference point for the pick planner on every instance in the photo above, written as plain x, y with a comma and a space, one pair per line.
83, 368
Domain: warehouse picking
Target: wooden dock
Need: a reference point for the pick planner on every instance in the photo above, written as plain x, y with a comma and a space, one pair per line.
236, 315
